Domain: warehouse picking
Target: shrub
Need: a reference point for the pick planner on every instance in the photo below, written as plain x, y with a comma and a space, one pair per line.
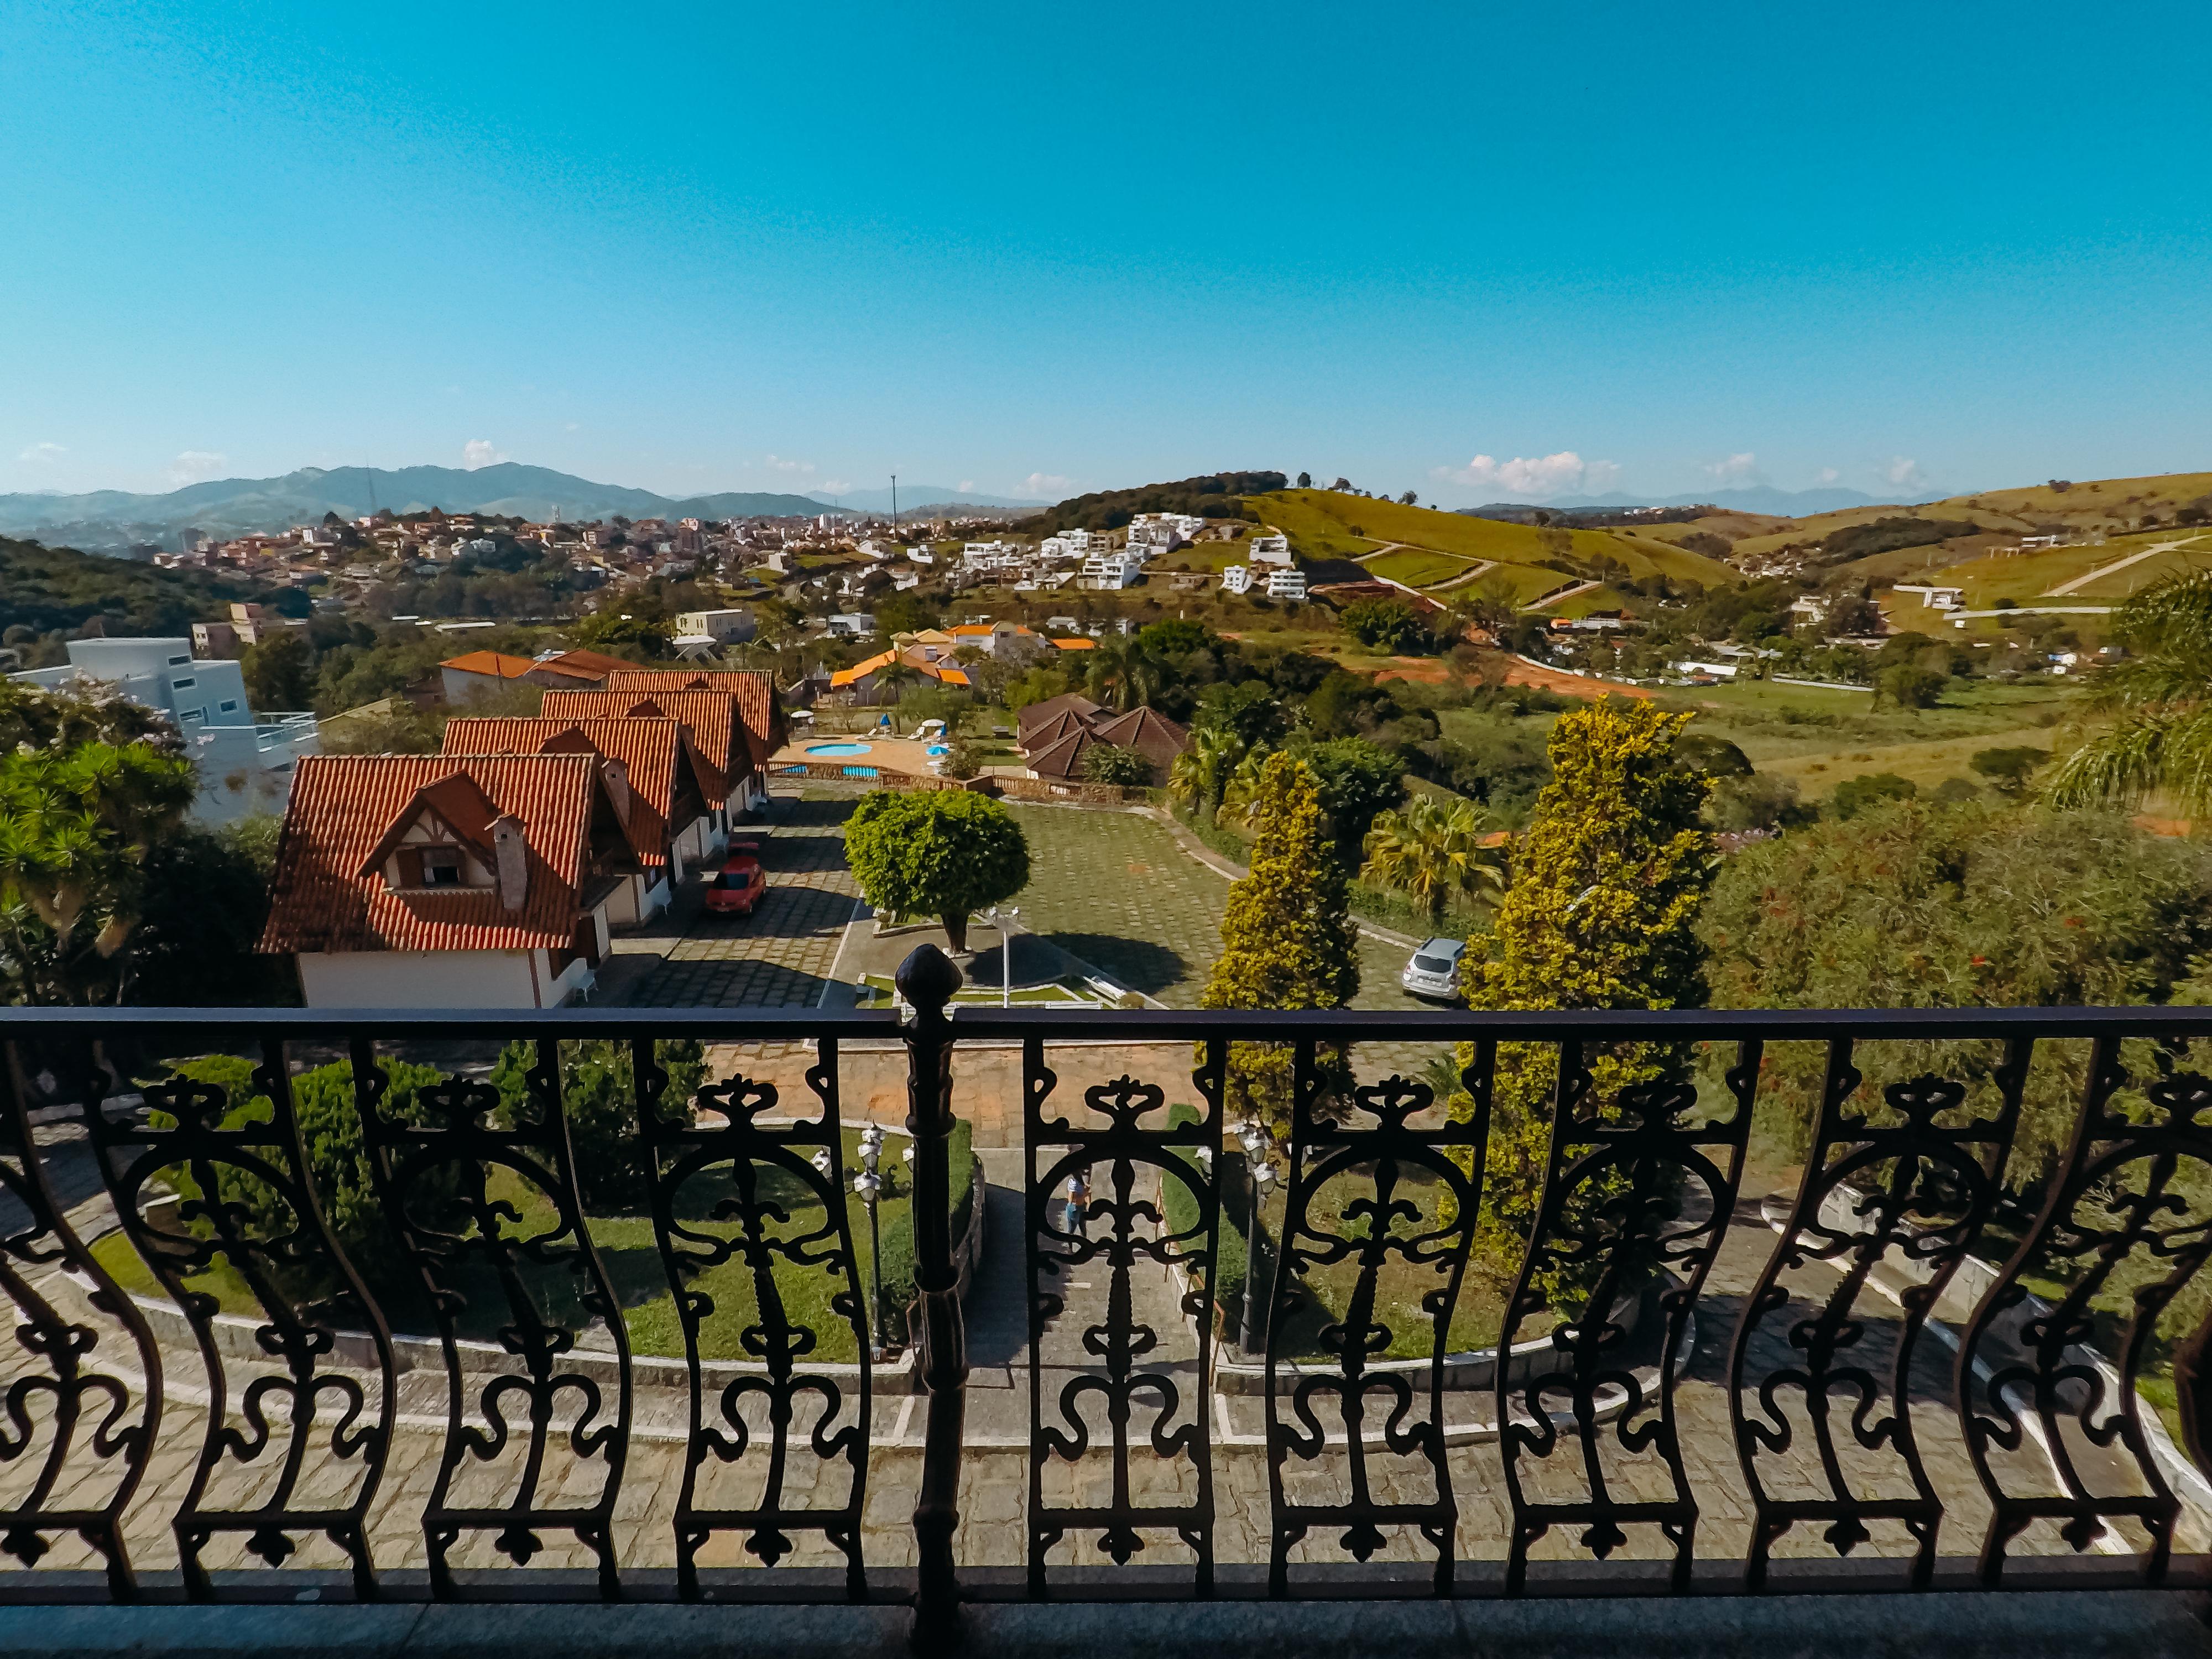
1854, 795
1106, 762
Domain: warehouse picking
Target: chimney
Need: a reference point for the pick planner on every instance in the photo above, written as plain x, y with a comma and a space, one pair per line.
512, 856
617, 772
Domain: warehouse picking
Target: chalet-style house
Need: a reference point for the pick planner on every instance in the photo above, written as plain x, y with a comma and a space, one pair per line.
440, 881
669, 790
1053, 736
757, 711
712, 720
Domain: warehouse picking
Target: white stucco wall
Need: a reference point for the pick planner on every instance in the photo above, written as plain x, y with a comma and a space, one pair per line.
424, 979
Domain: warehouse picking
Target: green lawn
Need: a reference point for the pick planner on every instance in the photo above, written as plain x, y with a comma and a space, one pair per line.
1115, 890
1418, 568
633, 1262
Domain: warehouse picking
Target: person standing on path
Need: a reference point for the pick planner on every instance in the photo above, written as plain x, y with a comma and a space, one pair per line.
1078, 1203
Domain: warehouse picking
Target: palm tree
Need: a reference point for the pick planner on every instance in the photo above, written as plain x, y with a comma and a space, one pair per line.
1201, 772
1240, 796
1429, 851
1122, 674
2160, 697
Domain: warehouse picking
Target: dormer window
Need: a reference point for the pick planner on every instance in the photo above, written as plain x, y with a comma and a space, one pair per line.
441, 867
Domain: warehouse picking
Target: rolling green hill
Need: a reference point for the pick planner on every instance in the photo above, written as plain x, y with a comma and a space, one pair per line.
1445, 552
56, 589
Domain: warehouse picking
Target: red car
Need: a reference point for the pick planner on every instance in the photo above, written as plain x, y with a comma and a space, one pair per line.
736, 888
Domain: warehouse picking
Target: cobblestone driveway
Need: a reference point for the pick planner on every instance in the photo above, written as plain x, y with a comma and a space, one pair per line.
781, 954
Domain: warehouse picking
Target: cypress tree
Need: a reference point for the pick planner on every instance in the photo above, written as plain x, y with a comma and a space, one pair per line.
1607, 884
1287, 937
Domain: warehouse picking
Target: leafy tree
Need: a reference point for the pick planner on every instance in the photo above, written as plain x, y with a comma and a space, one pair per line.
1305, 481
1606, 882
1106, 762
936, 853
1972, 906
1249, 710
599, 1098
55, 590
2159, 701
639, 633
1909, 685
1432, 852
1761, 801
1121, 674
905, 613
962, 760
206, 901
1409, 498
78, 826
1174, 636
1717, 757
1038, 685
280, 672
1854, 795
2008, 769
1287, 937
1390, 625
1355, 781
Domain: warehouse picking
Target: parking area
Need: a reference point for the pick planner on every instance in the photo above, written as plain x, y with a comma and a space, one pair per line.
781, 954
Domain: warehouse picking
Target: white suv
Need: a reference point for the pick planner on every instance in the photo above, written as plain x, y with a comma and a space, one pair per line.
1434, 970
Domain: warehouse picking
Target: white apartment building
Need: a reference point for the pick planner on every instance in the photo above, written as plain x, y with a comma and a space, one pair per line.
1271, 549
1109, 571
992, 556
1163, 531
1286, 584
245, 763
1073, 544
1237, 579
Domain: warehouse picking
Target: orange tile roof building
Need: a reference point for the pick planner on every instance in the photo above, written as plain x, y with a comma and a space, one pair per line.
669, 790
760, 711
430, 881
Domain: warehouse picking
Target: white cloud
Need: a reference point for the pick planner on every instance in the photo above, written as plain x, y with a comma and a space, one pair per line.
836, 486
1537, 476
1903, 472
194, 464
1740, 468
1041, 486
42, 454
966, 484
789, 469
1826, 474
480, 451
571, 427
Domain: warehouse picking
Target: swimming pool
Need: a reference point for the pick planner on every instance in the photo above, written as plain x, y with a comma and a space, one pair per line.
837, 747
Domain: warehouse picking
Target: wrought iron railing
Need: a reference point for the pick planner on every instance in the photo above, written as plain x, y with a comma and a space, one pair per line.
1526, 1324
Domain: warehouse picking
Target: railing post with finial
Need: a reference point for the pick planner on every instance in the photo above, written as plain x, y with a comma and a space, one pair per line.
927, 980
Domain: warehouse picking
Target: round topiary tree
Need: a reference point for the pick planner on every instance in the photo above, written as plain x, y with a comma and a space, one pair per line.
936, 853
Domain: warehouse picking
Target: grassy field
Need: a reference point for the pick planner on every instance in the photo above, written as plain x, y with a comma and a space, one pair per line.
1821, 738
2029, 578
1420, 569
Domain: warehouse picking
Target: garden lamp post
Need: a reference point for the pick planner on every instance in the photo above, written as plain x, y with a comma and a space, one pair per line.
871, 1187
1004, 921
1259, 1285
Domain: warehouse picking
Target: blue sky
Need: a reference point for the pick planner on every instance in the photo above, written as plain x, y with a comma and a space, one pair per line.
1481, 252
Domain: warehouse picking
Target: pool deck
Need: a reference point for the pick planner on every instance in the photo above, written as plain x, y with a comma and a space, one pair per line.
890, 754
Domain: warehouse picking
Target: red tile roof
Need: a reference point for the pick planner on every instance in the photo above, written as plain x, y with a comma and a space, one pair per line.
710, 717
344, 808
759, 709
656, 755
1037, 714
587, 664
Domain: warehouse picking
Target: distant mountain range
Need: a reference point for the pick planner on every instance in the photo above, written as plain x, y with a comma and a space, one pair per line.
911, 497
111, 520
1764, 498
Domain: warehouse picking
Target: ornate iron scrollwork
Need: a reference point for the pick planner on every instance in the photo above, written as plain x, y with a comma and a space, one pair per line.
2036, 1376
1131, 1377
248, 1201
1388, 1161
740, 1152
89, 1414
466, 1234
1906, 1199
1617, 1213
